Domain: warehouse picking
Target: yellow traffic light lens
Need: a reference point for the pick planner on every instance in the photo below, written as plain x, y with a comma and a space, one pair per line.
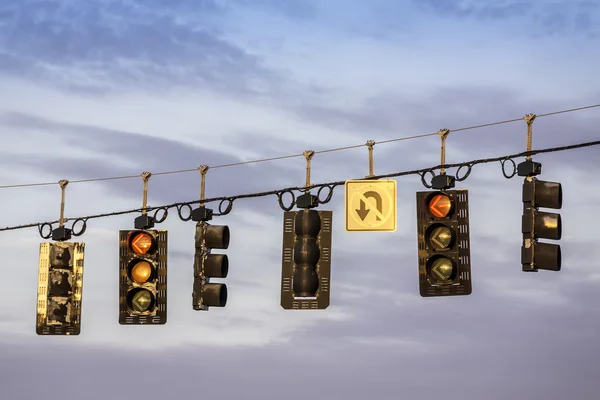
440, 206
441, 270
141, 300
141, 271
441, 237
141, 242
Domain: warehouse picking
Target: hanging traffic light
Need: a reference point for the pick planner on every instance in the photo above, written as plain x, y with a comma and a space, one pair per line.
207, 265
143, 277
60, 285
306, 264
443, 243
541, 225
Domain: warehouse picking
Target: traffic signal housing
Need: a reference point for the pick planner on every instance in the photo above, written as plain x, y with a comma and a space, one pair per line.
443, 243
306, 259
208, 265
143, 277
60, 285
537, 224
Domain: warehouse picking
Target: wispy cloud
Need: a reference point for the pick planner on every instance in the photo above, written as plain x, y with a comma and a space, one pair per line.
541, 17
116, 44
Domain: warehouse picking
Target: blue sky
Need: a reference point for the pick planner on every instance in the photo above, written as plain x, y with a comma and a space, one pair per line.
93, 89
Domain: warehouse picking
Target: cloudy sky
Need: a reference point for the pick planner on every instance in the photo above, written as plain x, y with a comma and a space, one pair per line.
92, 89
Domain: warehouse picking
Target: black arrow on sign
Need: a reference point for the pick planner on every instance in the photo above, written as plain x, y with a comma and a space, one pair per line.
363, 211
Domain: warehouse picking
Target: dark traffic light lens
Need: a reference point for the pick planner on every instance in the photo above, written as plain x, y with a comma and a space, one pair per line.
140, 271
141, 243
441, 270
60, 283
140, 300
440, 206
440, 237
58, 311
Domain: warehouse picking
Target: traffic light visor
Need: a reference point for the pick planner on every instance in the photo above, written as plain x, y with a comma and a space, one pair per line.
217, 236
214, 294
141, 242
543, 194
439, 205
548, 194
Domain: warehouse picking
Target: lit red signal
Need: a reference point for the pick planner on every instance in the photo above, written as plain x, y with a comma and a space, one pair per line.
141, 242
439, 206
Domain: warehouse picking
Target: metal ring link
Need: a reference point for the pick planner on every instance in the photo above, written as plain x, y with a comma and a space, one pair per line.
164, 216
228, 208
502, 162
181, 216
469, 168
41, 228
83, 226
280, 199
329, 195
428, 186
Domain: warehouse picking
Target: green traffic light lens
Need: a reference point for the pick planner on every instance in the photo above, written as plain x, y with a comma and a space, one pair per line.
441, 270
440, 237
141, 300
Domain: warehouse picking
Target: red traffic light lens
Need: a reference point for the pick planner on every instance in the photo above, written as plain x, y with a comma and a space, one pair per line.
440, 206
141, 243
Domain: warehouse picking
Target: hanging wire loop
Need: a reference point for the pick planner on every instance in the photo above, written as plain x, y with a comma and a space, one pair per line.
81, 231
329, 196
165, 213
280, 199
422, 174
181, 217
227, 209
514, 167
466, 174
41, 230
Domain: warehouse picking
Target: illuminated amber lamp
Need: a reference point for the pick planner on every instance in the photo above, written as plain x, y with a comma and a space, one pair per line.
140, 271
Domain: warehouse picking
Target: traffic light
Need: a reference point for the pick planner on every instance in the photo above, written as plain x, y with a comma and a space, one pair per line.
306, 264
60, 284
207, 265
443, 242
143, 277
541, 225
